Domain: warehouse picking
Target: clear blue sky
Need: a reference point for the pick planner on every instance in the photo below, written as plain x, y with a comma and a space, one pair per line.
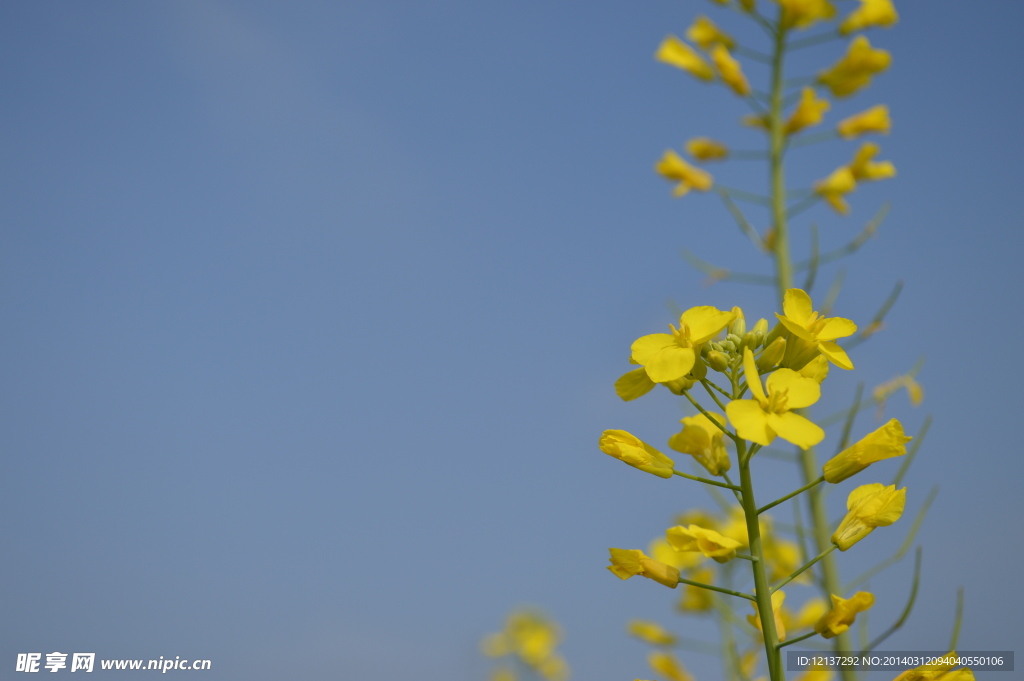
312, 311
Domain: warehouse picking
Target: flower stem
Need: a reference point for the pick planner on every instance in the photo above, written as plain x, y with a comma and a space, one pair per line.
791, 495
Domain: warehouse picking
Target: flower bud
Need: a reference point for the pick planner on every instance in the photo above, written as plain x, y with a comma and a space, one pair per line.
771, 355
760, 330
719, 361
738, 326
632, 450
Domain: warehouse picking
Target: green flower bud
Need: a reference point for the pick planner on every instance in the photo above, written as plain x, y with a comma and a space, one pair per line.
719, 361
772, 355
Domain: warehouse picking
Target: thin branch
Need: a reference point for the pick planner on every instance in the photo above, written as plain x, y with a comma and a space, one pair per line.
876, 322
906, 610
909, 458
957, 619
791, 495
709, 587
815, 40
706, 481
812, 271
806, 566
721, 274
833, 292
741, 219
848, 426
869, 231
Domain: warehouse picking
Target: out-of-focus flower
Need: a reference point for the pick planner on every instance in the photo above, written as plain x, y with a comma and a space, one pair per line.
870, 13
875, 119
778, 598
705, 149
705, 34
696, 599
668, 666
855, 70
805, 13
729, 70
708, 542
651, 632
809, 111
672, 167
626, 563
864, 169
675, 52
835, 187
843, 612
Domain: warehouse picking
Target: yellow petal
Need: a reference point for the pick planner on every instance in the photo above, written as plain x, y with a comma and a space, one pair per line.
750, 420
705, 322
753, 379
646, 347
634, 384
836, 354
801, 391
795, 428
797, 305
670, 364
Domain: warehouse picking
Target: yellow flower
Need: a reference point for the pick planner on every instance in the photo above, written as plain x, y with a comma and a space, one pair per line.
660, 550
768, 415
675, 52
817, 369
532, 637
816, 673
937, 671
626, 563
554, 668
855, 69
868, 507
875, 119
863, 168
748, 5
780, 629
703, 440
843, 612
870, 13
504, 674
807, 113
805, 13
706, 34
673, 167
809, 614
834, 187
884, 443
914, 390
817, 332
634, 384
696, 599
668, 666
783, 559
637, 453
729, 70
705, 149
671, 356
651, 632
708, 542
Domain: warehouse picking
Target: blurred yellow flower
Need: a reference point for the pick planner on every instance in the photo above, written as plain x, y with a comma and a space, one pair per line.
939, 671
864, 169
626, 563
651, 632
629, 448
883, 443
805, 13
705, 149
870, 13
708, 542
809, 111
729, 70
669, 667
875, 119
675, 52
817, 369
705, 34
673, 167
704, 441
855, 70
671, 356
778, 598
914, 390
843, 612
868, 507
769, 414
836, 186
660, 550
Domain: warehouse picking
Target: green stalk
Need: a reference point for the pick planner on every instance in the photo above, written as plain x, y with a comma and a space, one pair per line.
821, 532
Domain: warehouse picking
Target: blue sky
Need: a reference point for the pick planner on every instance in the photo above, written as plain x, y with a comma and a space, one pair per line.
313, 311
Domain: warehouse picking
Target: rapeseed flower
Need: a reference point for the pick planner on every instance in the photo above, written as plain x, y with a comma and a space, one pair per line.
868, 507
673, 167
870, 13
843, 612
855, 70
675, 52
864, 169
694, 598
729, 70
705, 34
835, 187
671, 356
805, 13
651, 632
883, 443
626, 563
817, 332
778, 598
809, 111
705, 149
669, 667
875, 119
769, 414
708, 542
637, 453
704, 441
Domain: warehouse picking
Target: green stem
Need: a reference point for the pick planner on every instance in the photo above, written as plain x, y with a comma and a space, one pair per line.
798, 639
706, 481
806, 567
783, 265
791, 495
762, 589
709, 587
